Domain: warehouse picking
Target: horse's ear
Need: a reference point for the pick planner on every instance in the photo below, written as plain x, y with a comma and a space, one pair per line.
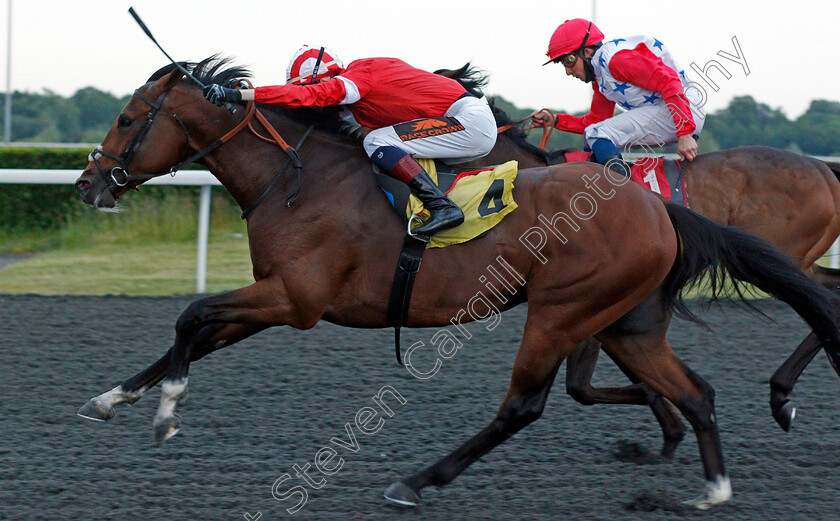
170, 80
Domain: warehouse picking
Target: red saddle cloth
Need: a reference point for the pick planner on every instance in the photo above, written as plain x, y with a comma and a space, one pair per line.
650, 173
657, 174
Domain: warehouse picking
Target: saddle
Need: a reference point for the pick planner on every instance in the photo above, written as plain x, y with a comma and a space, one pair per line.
657, 174
485, 195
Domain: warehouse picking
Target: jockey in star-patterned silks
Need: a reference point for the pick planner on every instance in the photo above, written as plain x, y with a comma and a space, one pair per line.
413, 113
639, 74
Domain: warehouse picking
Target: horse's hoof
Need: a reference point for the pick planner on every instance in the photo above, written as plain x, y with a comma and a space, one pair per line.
402, 494
784, 415
717, 492
96, 411
165, 429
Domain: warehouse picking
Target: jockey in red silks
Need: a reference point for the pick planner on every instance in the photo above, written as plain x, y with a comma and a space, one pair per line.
412, 112
639, 74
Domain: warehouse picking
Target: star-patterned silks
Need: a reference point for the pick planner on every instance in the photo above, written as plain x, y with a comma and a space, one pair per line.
621, 87
623, 93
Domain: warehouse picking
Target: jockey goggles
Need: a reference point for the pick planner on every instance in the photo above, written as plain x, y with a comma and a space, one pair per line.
567, 60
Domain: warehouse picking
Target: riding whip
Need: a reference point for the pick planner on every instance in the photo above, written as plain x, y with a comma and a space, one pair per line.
192, 78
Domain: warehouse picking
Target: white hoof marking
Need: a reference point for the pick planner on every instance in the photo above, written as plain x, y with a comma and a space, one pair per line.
170, 394
117, 396
717, 492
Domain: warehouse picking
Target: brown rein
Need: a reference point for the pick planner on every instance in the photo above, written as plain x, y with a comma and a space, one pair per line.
548, 128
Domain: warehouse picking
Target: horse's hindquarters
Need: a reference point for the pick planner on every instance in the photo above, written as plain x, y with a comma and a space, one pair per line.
595, 249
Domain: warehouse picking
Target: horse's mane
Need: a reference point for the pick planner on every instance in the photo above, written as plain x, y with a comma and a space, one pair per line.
474, 80
469, 76
214, 69
222, 70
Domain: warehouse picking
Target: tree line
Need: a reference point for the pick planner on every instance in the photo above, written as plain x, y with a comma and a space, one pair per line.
86, 116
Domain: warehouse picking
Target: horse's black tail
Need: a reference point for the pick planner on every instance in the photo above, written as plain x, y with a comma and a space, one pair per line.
726, 253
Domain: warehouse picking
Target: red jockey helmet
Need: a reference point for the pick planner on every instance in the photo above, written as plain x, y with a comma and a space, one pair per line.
571, 36
301, 68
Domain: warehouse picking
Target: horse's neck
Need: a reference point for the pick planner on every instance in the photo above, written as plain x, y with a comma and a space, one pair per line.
334, 177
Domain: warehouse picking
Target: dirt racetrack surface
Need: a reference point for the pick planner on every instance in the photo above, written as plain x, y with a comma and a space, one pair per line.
257, 409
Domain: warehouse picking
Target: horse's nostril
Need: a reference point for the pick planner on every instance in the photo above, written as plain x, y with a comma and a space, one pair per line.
82, 187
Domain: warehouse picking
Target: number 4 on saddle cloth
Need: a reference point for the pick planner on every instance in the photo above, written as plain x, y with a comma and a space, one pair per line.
485, 196
657, 174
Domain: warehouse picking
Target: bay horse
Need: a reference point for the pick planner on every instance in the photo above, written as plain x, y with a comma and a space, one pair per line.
790, 200
313, 259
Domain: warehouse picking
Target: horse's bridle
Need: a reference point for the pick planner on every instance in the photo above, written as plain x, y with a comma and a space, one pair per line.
119, 176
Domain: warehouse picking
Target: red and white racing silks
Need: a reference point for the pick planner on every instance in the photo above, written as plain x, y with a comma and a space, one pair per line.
380, 92
635, 72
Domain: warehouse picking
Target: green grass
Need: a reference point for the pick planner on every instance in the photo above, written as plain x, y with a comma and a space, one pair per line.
157, 214
131, 269
147, 249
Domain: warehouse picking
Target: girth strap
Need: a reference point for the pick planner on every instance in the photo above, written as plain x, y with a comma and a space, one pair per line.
407, 267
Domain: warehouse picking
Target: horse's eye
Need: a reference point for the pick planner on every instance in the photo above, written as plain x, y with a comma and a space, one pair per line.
124, 121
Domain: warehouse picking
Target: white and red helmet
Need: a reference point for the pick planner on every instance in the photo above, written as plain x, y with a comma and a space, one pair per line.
571, 36
301, 68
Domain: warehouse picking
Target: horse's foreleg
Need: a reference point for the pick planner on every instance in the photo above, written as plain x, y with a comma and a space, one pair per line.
101, 407
580, 366
253, 308
534, 370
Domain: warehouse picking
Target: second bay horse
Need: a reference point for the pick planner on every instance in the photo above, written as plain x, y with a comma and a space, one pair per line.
791, 200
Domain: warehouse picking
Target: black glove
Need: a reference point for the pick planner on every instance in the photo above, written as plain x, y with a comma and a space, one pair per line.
219, 95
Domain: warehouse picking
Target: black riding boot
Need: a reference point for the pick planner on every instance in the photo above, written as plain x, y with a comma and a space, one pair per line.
444, 213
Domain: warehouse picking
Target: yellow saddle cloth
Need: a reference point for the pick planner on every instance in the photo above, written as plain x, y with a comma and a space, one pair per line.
485, 196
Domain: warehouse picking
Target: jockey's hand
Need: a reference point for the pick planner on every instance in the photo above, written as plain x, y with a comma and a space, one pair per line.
540, 120
687, 147
219, 95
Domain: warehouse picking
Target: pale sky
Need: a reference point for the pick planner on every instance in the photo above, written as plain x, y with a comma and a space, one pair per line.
792, 49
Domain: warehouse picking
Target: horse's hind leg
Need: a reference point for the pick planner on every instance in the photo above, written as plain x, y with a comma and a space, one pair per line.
652, 359
101, 407
534, 369
783, 380
785, 377
580, 365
